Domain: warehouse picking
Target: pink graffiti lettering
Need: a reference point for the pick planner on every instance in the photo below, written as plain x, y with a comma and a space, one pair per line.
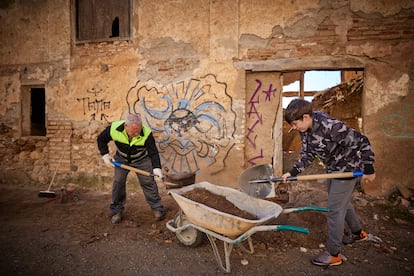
269, 93
254, 103
252, 161
251, 131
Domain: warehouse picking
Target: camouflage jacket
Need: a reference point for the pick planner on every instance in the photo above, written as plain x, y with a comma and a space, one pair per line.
340, 148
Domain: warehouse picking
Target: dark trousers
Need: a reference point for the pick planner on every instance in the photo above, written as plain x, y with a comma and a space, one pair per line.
341, 211
148, 185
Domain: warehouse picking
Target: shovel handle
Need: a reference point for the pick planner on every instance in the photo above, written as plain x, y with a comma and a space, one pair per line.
310, 177
329, 175
120, 165
142, 172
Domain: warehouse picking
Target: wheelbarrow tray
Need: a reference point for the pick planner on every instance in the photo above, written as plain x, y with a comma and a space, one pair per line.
221, 222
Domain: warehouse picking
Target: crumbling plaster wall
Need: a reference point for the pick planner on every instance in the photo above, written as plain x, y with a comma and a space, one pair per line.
35, 51
180, 46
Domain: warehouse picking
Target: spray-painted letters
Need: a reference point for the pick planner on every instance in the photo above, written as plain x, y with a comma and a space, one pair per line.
260, 118
93, 106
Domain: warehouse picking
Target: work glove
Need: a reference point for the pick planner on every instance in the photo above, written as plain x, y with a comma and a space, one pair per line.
286, 176
158, 174
108, 160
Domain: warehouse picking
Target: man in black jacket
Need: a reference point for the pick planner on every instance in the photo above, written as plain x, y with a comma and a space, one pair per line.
136, 148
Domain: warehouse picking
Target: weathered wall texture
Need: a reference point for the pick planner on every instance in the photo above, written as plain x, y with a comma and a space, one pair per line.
184, 70
263, 120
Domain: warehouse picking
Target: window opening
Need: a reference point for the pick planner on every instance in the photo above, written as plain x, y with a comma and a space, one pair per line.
33, 111
102, 20
115, 27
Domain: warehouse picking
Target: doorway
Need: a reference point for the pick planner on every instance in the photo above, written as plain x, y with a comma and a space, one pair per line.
336, 92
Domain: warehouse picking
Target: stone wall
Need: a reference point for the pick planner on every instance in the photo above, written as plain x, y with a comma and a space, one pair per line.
184, 69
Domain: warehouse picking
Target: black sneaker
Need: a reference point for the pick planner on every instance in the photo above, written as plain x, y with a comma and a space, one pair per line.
355, 237
159, 215
116, 218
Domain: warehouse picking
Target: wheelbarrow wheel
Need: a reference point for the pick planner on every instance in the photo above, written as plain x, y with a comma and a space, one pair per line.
190, 236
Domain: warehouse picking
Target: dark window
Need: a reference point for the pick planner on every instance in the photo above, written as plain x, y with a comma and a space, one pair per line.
33, 111
102, 20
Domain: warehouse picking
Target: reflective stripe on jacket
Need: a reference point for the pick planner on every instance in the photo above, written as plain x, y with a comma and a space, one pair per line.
138, 148
134, 149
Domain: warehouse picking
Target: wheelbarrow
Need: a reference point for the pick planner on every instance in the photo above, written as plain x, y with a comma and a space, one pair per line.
195, 219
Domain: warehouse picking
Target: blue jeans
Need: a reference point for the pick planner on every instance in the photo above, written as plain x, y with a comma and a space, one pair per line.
340, 211
148, 185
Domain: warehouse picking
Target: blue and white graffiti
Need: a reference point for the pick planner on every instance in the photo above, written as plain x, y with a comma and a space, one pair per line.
193, 121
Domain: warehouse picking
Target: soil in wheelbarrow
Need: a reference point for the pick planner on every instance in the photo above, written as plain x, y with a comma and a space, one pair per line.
218, 202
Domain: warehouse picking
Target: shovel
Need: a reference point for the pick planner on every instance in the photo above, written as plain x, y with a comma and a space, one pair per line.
258, 180
309, 177
142, 172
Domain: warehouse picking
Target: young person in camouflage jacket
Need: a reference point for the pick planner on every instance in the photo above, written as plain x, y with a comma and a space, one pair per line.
341, 149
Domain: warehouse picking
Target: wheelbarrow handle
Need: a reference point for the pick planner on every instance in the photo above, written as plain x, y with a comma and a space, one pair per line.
263, 228
310, 177
305, 208
292, 228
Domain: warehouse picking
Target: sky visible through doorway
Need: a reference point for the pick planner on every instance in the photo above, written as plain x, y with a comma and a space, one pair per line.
313, 81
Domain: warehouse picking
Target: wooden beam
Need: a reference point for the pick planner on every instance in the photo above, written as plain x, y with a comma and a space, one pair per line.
296, 64
296, 93
302, 85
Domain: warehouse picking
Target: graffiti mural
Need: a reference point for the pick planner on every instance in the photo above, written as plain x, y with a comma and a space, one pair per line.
94, 106
401, 124
262, 106
192, 120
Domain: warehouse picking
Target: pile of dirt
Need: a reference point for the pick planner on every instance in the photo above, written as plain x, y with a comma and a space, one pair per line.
218, 202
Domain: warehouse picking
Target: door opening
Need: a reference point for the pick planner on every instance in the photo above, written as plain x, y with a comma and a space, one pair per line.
336, 92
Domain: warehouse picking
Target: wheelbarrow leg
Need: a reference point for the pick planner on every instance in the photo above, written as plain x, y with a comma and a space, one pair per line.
227, 251
228, 247
249, 250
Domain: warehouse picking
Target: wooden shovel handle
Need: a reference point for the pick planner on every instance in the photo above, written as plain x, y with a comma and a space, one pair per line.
328, 176
129, 168
310, 177
142, 172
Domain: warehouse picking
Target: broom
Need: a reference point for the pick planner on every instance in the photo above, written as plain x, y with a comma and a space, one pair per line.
48, 193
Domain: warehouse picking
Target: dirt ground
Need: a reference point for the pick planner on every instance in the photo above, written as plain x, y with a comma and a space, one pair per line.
76, 237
